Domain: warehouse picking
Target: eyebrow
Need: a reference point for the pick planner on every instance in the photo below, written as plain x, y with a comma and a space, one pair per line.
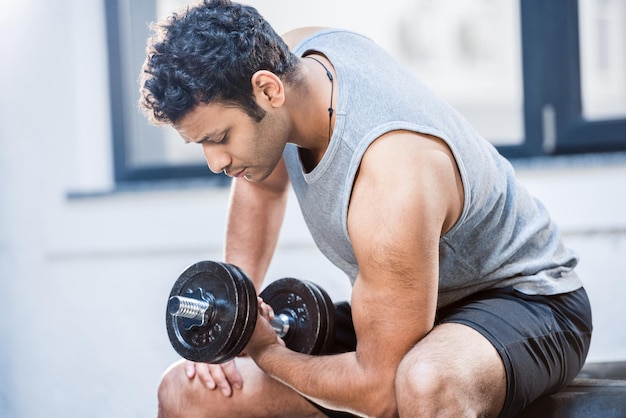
206, 137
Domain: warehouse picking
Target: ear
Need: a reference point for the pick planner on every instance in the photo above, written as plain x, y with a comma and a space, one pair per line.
268, 89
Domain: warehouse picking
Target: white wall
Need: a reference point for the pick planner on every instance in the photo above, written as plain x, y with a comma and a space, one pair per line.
84, 281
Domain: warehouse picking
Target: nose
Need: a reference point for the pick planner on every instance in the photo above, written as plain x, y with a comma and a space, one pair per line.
217, 160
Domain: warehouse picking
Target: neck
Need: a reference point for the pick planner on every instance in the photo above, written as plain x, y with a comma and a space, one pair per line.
332, 90
312, 127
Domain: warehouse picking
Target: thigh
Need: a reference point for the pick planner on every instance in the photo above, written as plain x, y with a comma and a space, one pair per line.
452, 371
261, 396
542, 340
476, 374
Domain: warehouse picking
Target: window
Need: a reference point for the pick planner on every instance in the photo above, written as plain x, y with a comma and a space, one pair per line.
603, 58
553, 89
142, 152
534, 77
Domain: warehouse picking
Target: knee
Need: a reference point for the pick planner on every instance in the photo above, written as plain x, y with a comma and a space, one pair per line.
168, 395
421, 387
418, 379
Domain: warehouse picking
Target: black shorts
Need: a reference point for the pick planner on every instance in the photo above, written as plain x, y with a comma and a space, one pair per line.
543, 340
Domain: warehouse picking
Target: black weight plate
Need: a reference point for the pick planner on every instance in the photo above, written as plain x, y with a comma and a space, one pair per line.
248, 312
328, 312
212, 342
245, 311
306, 305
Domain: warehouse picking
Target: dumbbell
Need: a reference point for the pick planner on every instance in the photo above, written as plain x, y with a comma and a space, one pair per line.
212, 311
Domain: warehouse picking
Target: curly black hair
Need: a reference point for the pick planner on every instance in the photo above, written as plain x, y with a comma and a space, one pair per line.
208, 53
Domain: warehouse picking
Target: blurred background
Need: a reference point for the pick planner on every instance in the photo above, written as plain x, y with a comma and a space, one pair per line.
100, 212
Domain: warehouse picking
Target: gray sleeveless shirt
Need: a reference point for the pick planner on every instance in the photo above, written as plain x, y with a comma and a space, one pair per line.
504, 236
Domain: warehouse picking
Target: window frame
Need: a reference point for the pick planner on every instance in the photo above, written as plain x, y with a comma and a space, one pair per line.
553, 111
553, 115
124, 172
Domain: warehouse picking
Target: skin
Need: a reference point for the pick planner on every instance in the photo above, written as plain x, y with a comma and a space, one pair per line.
449, 370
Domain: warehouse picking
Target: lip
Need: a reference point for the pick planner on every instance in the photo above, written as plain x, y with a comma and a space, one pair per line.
240, 174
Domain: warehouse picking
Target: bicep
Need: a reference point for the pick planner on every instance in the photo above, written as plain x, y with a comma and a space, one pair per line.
398, 207
395, 294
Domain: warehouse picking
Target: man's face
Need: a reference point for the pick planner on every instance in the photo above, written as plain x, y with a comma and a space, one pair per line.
235, 143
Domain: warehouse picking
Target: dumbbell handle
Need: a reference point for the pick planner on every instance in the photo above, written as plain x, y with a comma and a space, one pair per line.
196, 310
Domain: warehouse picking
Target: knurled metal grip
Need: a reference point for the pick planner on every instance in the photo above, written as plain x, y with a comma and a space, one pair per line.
196, 309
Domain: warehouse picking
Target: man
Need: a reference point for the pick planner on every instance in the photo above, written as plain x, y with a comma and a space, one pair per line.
464, 300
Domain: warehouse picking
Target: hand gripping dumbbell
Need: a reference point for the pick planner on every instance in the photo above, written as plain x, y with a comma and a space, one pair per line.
212, 311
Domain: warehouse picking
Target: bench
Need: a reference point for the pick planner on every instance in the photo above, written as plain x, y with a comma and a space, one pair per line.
599, 390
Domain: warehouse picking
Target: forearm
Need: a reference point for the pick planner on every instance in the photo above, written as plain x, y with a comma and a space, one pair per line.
337, 382
254, 219
360, 382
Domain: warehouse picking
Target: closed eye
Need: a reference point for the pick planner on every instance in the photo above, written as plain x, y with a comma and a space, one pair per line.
214, 139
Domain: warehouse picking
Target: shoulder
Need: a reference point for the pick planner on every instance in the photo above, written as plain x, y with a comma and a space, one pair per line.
412, 171
408, 153
295, 36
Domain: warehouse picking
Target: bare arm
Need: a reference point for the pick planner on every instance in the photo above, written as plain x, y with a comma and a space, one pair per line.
255, 215
256, 212
407, 193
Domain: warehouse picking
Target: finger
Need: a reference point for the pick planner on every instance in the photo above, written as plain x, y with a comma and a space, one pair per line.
270, 311
190, 369
265, 310
204, 373
232, 374
220, 379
